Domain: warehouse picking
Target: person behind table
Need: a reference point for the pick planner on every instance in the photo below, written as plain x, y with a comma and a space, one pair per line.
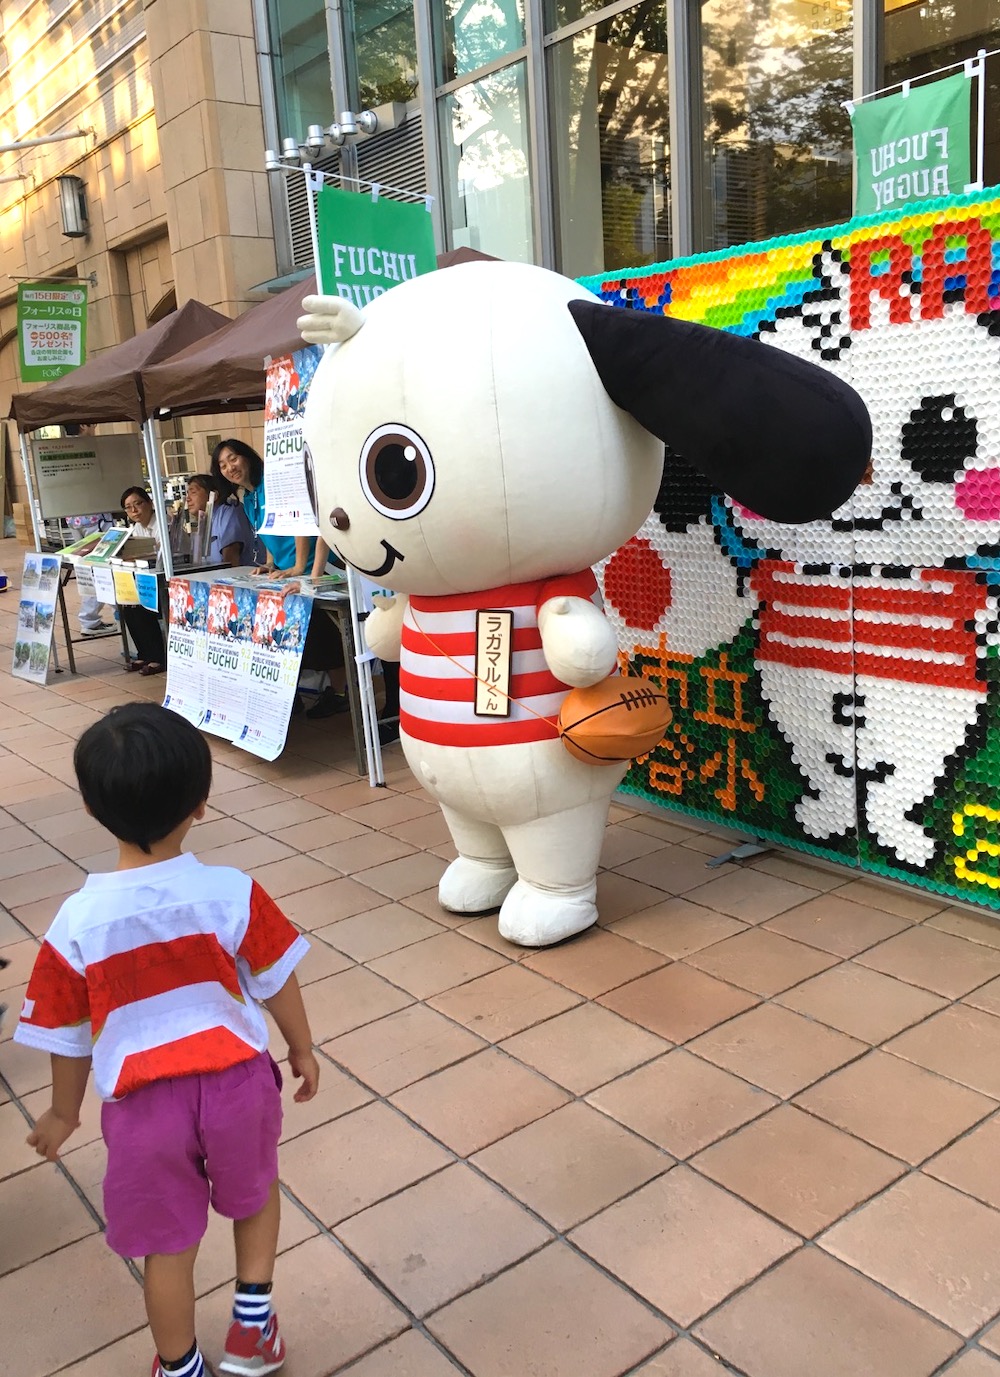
231, 539
287, 557
154, 976
91, 612
142, 624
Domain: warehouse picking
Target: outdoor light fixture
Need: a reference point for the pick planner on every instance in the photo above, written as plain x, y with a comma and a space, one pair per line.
350, 126
73, 207
315, 138
290, 151
272, 163
367, 122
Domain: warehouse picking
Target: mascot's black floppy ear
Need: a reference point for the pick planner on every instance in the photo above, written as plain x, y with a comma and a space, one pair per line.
783, 437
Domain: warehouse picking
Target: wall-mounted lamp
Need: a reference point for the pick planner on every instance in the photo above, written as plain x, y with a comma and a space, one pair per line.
318, 139
73, 207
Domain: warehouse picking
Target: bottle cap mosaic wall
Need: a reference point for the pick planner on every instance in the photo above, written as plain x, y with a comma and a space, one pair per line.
836, 686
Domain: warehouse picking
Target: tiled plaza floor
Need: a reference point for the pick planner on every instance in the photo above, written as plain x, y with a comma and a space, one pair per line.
749, 1124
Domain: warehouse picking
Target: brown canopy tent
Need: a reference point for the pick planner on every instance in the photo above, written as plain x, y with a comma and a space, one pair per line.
109, 386
225, 371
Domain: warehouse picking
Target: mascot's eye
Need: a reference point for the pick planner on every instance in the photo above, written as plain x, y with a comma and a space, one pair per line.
397, 471
310, 468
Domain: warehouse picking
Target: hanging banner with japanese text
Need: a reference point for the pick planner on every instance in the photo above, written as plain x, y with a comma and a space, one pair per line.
51, 329
913, 146
368, 245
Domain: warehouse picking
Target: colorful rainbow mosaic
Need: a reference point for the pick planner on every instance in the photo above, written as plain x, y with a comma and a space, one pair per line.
836, 686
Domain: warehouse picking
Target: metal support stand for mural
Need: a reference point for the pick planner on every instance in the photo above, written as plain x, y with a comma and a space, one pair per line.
753, 846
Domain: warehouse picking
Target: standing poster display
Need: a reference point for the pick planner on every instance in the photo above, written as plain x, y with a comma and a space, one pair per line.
51, 329
289, 506
367, 244
36, 617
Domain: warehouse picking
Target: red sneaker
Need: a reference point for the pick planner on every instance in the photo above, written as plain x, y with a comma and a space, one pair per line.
251, 1351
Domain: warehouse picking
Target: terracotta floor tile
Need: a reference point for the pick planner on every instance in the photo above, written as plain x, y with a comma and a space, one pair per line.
991, 1339
717, 1243
39, 1212
322, 1336
58, 1322
974, 927
682, 1358
28, 810
216, 1261
40, 884
402, 1048
861, 1002
750, 895
275, 816
582, 1048
594, 962
21, 956
875, 1097
970, 1165
760, 961
247, 796
368, 935
799, 1170
792, 1322
288, 876
618, 896
961, 1043
23, 1068
23, 859
670, 827
677, 1002
409, 875
776, 1049
122, 1359
253, 850
322, 831
987, 997
320, 961
344, 796
38, 915
504, 1002
675, 869
975, 1364
681, 1102
364, 852
624, 844
206, 836
394, 809
338, 1094
905, 904
14, 835
936, 961
442, 1237
486, 932
426, 830
837, 925
15, 1155
11, 930
677, 927
483, 1098
327, 903
411, 1355
348, 1000
570, 1320
348, 1164
437, 964
571, 1164
799, 872
917, 1239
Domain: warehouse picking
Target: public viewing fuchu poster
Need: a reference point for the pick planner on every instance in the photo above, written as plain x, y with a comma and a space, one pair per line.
289, 506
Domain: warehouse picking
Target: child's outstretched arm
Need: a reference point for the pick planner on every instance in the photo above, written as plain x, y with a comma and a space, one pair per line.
69, 1082
289, 1013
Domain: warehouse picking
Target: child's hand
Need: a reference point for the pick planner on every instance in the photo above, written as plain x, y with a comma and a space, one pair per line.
49, 1134
305, 1066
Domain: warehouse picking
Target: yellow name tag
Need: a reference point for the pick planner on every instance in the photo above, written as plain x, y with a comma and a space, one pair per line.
494, 653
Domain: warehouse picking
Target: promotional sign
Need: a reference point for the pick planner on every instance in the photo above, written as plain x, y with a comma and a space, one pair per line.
36, 617
836, 686
234, 651
914, 146
368, 245
289, 505
51, 329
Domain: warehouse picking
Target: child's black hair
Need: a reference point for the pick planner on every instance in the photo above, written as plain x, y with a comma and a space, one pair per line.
142, 770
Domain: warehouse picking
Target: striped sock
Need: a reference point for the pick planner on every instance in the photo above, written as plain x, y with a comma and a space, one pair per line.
191, 1365
252, 1303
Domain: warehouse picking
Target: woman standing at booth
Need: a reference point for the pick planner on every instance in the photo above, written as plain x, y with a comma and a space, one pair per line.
142, 625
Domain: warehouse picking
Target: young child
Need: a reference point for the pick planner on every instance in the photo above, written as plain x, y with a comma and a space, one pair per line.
154, 974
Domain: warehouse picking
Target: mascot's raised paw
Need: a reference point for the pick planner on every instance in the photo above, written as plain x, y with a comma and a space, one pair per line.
485, 436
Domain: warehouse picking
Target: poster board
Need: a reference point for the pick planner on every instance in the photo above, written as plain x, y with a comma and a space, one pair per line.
36, 617
835, 687
85, 473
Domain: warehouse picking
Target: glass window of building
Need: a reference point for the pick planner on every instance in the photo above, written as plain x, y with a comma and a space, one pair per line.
470, 34
777, 140
301, 65
486, 166
385, 51
609, 116
922, 35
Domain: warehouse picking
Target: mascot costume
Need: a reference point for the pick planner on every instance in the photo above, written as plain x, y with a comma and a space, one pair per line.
479, 438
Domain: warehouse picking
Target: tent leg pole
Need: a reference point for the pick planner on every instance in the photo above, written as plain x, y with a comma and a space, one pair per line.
156, 483
29, 484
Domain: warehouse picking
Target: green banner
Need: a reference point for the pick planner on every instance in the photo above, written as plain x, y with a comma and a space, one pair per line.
913, 147
51, 329
367, 246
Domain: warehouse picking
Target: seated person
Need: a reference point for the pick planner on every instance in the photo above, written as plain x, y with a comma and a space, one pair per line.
143, 626
231, 540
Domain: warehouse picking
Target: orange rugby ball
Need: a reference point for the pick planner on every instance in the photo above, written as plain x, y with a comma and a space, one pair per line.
613, 721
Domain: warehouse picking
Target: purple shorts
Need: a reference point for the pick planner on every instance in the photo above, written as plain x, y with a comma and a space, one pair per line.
177, 1145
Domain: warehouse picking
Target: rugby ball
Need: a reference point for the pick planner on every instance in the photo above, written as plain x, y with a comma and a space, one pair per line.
613, 721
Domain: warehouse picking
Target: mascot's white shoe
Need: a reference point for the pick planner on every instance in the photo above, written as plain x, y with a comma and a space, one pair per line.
534, 917
470, 886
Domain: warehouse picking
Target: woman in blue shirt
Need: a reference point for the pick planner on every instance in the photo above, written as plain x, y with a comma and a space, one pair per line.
231, 540
237, 463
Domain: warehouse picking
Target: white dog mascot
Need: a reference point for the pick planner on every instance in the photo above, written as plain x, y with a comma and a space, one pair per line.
480, 438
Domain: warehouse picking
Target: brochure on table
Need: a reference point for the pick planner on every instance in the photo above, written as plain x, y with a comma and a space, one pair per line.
36, 617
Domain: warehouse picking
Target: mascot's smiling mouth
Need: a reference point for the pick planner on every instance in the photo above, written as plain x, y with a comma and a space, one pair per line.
392, 557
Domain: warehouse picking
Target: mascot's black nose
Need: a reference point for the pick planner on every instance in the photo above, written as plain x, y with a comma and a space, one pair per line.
339, 519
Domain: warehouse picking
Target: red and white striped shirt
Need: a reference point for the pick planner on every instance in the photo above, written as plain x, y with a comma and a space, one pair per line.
156, 973
437, 672
917, 629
